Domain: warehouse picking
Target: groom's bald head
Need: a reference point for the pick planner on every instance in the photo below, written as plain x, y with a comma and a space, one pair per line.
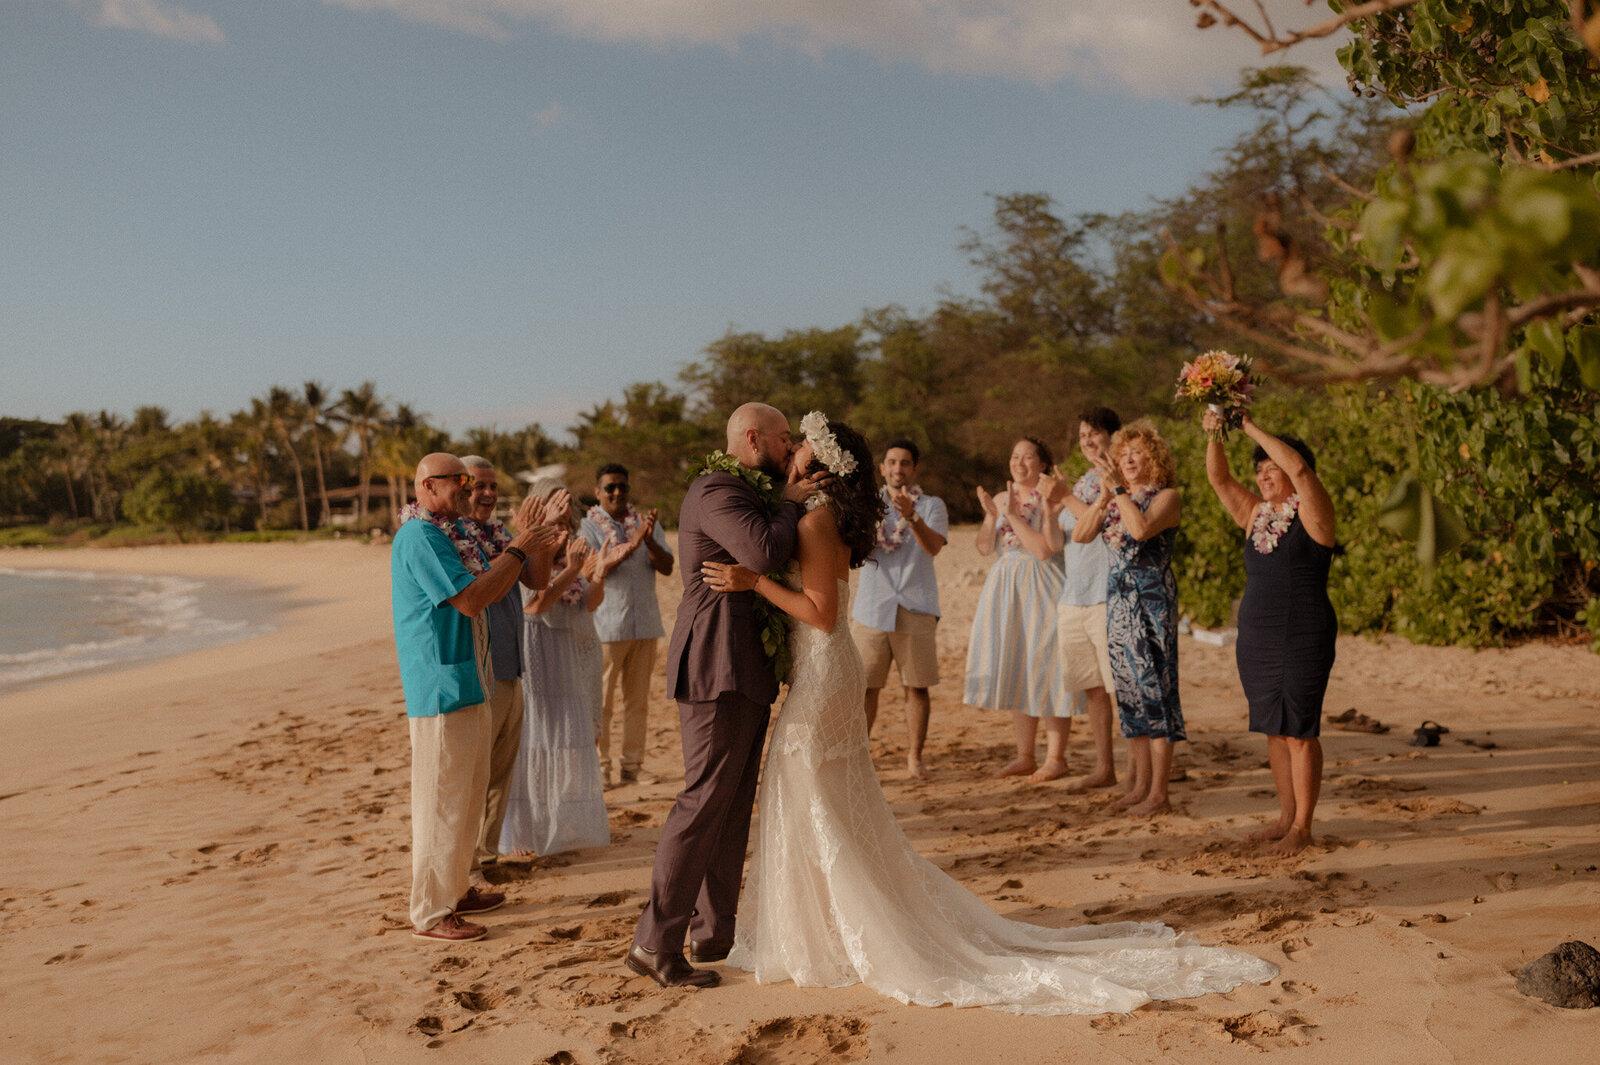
758, 436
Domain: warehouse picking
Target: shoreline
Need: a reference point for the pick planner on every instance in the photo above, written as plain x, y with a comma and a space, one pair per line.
226, 610
212, 853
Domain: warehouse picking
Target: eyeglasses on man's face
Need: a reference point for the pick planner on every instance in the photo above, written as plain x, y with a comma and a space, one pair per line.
612, 489
463, 480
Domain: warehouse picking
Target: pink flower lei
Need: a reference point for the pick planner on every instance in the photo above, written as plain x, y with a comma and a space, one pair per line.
891, 538
468, 547
1028, 505
1116, 533
624, 529
1272, 520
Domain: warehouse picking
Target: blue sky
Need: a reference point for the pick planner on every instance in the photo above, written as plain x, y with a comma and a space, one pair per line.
505, 211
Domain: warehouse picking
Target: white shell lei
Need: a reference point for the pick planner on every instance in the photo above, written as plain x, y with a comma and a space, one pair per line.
1272, 520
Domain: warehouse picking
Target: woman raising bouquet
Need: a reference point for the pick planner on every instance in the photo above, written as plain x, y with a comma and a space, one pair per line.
1287, 627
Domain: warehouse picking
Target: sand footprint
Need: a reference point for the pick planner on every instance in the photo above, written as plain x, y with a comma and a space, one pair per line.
822, 1037
1264, 1029
1293, 991
1294, 946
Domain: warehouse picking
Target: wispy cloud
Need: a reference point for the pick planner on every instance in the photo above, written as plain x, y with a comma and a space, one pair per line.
550, 116
1148, 46
160, 18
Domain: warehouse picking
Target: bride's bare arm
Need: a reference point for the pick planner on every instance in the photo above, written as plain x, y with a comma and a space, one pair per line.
817, 601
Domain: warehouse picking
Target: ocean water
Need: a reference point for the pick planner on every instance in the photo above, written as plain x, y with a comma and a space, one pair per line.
59, 623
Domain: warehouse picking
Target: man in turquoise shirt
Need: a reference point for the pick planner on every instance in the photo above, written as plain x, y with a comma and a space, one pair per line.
436, 597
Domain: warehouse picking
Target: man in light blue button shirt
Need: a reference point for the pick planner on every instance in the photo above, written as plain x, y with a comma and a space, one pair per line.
1081, 611
897, 598
628, 620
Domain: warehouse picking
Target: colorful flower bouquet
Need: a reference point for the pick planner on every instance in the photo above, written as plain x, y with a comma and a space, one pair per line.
1223, 382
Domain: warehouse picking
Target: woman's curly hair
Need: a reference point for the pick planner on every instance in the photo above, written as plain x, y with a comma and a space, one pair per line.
857, 507
1143, 434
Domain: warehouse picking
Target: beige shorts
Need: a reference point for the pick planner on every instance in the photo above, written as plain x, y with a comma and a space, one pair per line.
1081, 642
911, 645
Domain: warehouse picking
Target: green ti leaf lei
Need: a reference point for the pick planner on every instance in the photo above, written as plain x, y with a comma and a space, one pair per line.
772, 622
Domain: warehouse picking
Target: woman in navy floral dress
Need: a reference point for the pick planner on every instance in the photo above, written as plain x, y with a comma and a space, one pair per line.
1138, 513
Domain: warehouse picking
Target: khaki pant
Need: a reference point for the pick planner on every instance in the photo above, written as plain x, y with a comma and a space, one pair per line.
449, 774
626, 664
505, 736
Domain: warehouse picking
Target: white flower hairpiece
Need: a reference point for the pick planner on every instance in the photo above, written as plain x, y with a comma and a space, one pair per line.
825, 446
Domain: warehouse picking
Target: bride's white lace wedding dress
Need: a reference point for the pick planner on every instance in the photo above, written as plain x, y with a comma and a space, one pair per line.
836, 895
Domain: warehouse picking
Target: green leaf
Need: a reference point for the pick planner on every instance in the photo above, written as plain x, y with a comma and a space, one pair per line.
1543, 212
1383, 229
1413, 513
1464, 271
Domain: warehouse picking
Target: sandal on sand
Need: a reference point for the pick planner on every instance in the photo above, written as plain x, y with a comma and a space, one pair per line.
1353, 720
1428, 734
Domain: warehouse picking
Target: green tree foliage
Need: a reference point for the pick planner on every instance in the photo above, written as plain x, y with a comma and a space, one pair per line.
1475, 253
650, 433
183, 502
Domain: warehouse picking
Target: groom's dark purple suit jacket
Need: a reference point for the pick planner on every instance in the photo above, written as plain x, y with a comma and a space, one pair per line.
715, 645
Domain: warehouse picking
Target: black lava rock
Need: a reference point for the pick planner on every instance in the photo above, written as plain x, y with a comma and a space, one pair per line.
1568, 976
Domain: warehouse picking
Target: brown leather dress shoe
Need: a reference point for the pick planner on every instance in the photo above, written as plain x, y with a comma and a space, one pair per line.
669, 969
708, 952
477, 900
453, 930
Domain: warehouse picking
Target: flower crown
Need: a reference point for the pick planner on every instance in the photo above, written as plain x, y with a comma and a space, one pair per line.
825, 446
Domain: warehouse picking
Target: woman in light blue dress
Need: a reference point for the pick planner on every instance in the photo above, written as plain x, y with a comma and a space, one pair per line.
1012, 662
554, 799
1138, 513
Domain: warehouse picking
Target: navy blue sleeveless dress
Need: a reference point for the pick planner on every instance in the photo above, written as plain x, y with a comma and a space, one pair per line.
1287, 632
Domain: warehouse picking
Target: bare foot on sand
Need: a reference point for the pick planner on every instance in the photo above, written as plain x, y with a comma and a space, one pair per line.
1017, 767
1150, 807
1293, 842
1091, 781
918, 771
1271, 832
1053, 769
1130, 798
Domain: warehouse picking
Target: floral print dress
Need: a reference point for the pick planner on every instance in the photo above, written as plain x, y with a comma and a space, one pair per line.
1142, 626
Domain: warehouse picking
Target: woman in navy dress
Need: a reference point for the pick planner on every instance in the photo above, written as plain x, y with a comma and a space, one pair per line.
1287, 627
1138, 512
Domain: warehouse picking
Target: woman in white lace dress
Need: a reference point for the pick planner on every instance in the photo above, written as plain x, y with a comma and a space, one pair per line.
836, 895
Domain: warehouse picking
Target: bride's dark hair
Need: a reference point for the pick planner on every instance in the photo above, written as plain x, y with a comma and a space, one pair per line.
857, 507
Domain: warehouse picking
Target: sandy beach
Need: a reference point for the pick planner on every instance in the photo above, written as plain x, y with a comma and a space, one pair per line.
206, 860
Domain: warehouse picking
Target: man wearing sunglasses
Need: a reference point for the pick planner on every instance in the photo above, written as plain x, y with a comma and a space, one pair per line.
629, 619
439, 584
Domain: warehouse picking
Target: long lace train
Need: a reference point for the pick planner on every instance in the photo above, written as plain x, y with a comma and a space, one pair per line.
836, 894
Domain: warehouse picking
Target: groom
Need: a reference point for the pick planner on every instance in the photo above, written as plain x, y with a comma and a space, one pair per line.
725, 687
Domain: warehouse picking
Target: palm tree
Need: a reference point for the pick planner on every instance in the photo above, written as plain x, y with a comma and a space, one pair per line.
72, 439
215, 455
282, 412
107, 432
361, 412
314, 406
255, 438
404, 439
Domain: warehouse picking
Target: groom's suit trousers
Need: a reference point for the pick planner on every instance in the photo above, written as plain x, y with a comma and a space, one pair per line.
694, 886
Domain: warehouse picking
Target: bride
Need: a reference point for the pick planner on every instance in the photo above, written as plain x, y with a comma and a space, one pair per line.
835, 893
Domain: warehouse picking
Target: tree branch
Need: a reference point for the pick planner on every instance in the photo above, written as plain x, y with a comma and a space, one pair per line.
1271, 41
